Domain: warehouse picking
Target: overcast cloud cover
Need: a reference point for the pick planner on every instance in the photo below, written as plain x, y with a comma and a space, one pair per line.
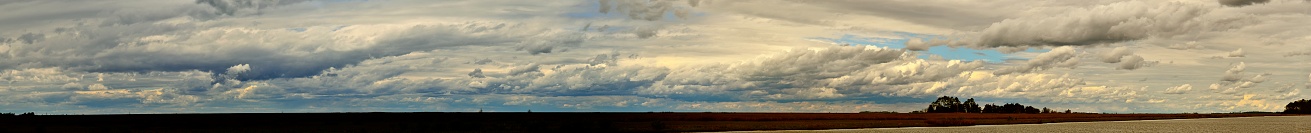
175, 56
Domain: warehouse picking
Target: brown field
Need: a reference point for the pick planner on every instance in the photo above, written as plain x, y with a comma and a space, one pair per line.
679, 122
536, 122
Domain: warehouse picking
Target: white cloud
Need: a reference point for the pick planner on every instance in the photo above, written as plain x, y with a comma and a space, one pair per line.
238, 69
917, 44
1181, 89
74, 86
97, 87
1237, 53
1115, 55
1234, 73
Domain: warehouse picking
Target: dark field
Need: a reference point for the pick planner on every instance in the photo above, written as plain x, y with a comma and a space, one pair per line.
535, 122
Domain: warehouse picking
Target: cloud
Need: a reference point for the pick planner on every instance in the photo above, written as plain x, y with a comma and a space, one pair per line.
74, 86
238, 69
916, 44
1132, 62
477, 73
296, 55
643, 9
1237, 53
320, 49
1234, 73
232, 7
1064, 56
1241, 2
1115, 55
1185, 46
1117, 22
1181, 89
97, 87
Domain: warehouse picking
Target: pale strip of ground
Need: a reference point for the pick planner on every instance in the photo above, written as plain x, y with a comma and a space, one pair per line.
1264, 124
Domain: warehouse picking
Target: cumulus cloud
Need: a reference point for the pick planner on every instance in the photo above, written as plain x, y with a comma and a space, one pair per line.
1234, 73
1116, 22
73, 86
645, 10
1132, 62
916, 44
1181, 89
1064, 56
1237, 53
97, 87
238, 69
1234, 81
477, 73
1115, 55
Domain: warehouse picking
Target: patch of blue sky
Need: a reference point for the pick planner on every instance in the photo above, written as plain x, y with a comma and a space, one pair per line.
297, 29
339, 27
965, 54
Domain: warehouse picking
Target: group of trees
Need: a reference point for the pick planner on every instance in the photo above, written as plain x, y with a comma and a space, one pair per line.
23, 114
947, 104
1298, 107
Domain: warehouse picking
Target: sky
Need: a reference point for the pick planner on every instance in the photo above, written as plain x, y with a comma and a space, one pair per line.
236, 56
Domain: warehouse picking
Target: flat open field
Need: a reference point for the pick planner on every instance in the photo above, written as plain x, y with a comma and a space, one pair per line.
536, 122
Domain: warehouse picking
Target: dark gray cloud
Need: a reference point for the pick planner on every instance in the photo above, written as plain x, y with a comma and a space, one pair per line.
649, 10
1241, 2
30, 38
105, 50
232, 7
1103, 24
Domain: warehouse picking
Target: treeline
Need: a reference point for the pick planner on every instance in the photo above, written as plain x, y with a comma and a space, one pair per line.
12, 114
947, 104
1298, 107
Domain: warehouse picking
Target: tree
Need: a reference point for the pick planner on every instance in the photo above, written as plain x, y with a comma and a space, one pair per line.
945, 104
1045, 110
1031, 110
1298, 107
971, 107
990, 108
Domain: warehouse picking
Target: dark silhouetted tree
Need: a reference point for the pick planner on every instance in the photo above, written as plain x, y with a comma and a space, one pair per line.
972, 107
1298, 107
945, 104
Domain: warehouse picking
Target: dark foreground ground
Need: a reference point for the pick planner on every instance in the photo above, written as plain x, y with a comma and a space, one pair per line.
533, 122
